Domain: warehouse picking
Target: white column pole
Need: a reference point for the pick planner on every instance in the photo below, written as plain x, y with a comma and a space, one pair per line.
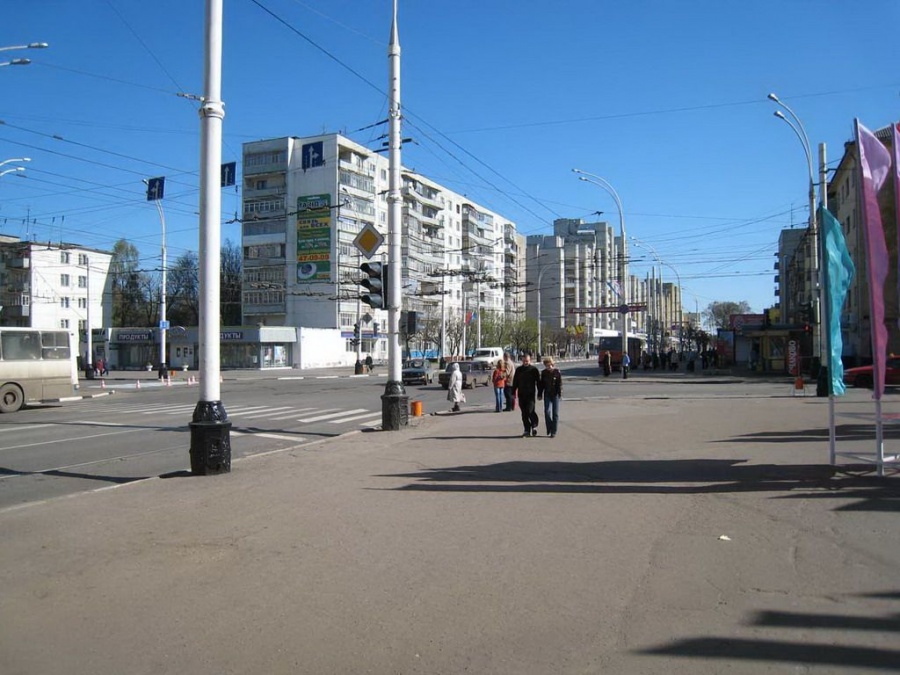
89, 366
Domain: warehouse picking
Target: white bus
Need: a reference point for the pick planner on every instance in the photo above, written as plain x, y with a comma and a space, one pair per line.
35, 365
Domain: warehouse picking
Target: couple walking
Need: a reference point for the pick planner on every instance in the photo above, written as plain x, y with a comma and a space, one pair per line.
530, 383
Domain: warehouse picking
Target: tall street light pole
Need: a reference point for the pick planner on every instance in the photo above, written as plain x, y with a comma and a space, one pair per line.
796, 126
21, 62
210, 428
163, 325
623, 260
394, 401
544, 268
680, 308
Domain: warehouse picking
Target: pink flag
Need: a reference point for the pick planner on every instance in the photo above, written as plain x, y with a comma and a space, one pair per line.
875, 164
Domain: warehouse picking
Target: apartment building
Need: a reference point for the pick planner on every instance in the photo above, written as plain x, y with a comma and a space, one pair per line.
46, 285
305, 200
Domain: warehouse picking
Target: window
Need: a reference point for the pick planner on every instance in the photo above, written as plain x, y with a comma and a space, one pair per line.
64, 303
20, 346
262, 158
260, 184
82, 324
82, 303
263, 206
82, 259
63, 323
63, 279
82, 281
64, 257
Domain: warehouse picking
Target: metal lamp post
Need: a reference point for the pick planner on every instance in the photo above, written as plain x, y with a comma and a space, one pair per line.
680, 308
163, 324
623, 261
394, 401
210, 427
544, 268
823, 387
16, 170
21, 61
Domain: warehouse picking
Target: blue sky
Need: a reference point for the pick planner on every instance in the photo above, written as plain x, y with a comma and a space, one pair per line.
666, 100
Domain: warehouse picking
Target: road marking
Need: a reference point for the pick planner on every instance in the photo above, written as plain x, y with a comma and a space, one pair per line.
327, 377
279, 437
246, 410
367, 415
272, 411
293, 413
373, 422
342, 413
79, 438
296, 377
30, 426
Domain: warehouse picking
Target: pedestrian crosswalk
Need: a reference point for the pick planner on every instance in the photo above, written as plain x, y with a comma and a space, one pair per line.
285, 415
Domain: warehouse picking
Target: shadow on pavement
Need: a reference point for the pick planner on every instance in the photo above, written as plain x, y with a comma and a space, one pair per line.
843, 432
683, 476
776, 651
71, 474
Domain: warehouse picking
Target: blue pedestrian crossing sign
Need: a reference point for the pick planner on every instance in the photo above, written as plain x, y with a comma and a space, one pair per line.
164, 325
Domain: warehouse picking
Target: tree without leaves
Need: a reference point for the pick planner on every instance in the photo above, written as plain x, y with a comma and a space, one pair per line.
717, 312
230, 277
183, 291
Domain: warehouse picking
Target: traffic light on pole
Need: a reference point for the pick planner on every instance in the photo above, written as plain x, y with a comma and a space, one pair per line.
376, 283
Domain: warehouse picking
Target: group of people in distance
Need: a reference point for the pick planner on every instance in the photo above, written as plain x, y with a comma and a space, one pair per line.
525, 384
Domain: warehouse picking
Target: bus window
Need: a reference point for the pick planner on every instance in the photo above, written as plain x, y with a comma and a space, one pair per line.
23, 346
55, 345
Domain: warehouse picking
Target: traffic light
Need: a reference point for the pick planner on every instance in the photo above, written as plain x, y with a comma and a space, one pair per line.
376, 282
356, 331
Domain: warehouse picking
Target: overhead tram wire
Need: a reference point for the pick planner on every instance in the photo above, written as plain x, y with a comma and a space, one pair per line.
406, 110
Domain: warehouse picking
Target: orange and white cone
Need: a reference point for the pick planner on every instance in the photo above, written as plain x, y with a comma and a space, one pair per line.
103, 384
137, 385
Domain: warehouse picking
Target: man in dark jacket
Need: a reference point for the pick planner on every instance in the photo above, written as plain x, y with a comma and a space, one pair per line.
525, 385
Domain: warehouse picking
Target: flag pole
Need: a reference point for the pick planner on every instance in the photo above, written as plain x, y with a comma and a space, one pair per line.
825, 304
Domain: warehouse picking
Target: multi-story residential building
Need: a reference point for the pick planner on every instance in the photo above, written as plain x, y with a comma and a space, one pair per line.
47, 285
577, 268
305, 200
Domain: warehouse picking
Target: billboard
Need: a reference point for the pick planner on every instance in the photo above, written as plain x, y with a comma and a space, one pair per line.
314, 238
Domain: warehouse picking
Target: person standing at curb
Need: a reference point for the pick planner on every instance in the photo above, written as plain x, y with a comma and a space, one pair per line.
607, 363
626, 364
510, 368
525, 385
454, 390
498, 377
550, 387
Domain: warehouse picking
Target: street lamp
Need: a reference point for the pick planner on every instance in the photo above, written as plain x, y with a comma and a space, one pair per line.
21, 62
163, 367
18, 168
796, 126
680, 308
623, 265
15, 159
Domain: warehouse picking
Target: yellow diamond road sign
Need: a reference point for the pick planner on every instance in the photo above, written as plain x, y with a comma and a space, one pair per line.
368, 240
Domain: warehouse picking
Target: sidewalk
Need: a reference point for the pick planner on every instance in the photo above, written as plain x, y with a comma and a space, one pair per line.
648, 537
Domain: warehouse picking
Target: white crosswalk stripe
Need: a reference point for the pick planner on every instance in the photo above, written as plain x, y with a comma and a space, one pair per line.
342, 413
367, 415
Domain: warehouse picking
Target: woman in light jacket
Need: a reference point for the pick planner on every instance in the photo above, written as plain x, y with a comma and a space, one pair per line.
454, 391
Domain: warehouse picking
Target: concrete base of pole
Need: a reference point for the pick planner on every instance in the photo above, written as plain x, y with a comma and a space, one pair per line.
394, 407
822, 383
210, 439
358, 368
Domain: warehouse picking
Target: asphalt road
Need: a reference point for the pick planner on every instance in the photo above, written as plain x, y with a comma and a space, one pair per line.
126, 433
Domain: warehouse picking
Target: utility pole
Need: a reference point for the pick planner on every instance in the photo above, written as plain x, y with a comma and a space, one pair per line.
210, 428
394, 401
89, 366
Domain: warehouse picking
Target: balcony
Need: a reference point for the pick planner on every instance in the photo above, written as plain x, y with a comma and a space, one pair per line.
365, 170
422, 196
19, 263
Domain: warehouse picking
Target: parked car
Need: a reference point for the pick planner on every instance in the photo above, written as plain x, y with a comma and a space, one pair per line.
418, 371
862, 376
473, 373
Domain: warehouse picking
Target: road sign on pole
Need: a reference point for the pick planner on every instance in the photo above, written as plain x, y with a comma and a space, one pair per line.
229, 171
368, 240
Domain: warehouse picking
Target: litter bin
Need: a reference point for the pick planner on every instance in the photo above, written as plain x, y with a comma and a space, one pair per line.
415, 408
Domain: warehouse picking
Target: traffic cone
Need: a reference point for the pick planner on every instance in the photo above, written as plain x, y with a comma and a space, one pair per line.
137, 385
168, 381
221, 379
103, 384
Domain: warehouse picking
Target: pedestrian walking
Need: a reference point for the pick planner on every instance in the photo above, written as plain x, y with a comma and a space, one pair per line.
454, 390
626, 364
510, 367
498, 378
369, 363
607, 363
550, 388
525, 387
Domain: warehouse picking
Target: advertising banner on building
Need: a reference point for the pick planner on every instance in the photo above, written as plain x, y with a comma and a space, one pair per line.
314, 238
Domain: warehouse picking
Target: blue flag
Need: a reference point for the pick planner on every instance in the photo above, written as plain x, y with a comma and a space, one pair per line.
838, 271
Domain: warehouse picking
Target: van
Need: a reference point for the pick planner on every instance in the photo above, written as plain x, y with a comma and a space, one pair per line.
488, 355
